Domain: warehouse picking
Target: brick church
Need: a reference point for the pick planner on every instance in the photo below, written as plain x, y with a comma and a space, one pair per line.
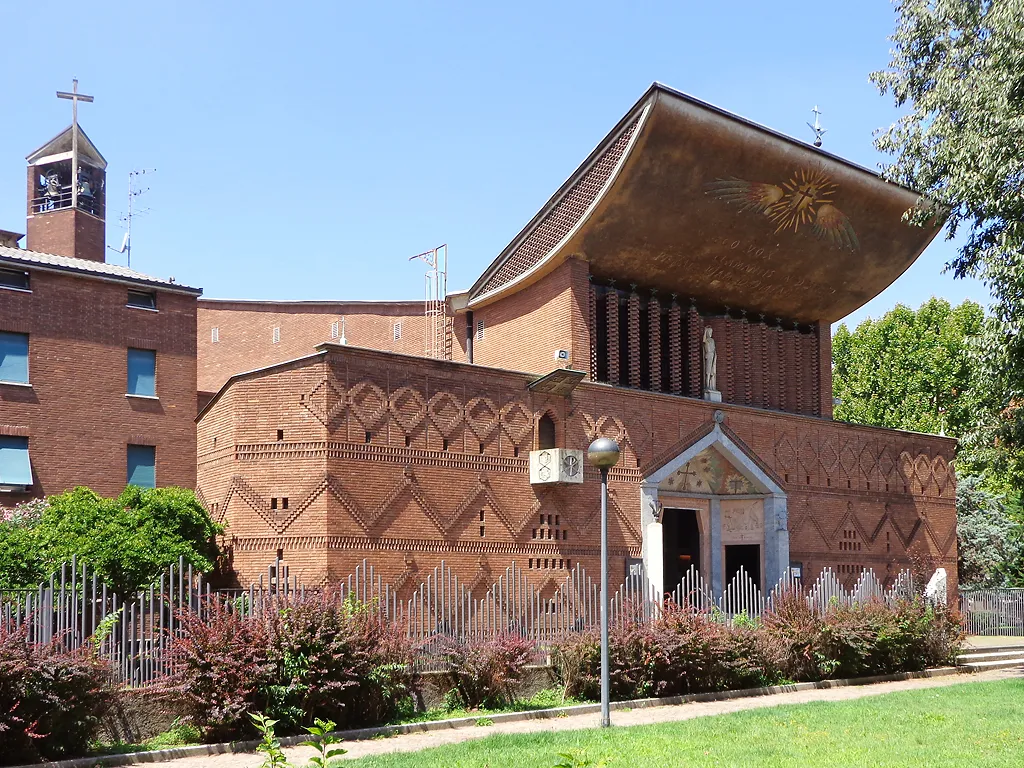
675, 294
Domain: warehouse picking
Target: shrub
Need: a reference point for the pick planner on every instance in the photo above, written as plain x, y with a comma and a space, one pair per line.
127, 541
483, 673
868, 639
685, 652
297, 659
221, 668
52, 700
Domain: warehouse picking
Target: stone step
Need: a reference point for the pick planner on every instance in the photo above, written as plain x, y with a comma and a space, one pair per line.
995, 649
979, 666
987, 655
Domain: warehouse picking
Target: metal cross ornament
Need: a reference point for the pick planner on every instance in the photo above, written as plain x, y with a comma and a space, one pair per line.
75, 97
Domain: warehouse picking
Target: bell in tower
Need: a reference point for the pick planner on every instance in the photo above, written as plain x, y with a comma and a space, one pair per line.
67, 193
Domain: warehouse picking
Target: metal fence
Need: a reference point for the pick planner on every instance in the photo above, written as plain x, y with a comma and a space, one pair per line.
134, 634
993, 611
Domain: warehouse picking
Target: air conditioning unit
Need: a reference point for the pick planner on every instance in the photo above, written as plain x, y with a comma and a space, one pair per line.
556, 465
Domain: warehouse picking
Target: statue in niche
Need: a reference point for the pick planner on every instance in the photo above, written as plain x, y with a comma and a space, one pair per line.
710, 362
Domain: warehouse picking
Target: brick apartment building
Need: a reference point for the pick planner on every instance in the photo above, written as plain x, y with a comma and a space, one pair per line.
594, 321
97, 361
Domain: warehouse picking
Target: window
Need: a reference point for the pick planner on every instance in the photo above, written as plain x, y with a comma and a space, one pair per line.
12, 278
142, 466
334, 329
280, 435
545, 433
215, 334
479, 330
277, 334
142, 299
15, 468
142, 372
397, 333
14, 357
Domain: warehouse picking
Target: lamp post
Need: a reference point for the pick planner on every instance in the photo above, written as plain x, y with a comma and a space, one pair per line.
603, 453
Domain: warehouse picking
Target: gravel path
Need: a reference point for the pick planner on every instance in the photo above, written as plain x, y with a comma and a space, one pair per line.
417, 741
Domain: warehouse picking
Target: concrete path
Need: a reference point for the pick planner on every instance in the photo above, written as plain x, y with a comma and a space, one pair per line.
417, 741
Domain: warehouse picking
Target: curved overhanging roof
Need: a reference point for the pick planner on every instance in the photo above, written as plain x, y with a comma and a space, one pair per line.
689, 199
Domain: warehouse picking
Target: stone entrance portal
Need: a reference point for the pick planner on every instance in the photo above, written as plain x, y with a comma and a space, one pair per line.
713, 508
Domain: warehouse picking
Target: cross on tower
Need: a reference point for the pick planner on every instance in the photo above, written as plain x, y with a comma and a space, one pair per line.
75, 97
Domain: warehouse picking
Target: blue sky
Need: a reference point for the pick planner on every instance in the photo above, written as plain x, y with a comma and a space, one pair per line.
305, 150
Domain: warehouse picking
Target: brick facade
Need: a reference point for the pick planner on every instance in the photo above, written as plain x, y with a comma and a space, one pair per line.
245, 332
396, 459
75, 412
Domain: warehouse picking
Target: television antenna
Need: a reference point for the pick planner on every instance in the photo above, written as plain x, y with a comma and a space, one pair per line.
436, 290
134, 192
816, 127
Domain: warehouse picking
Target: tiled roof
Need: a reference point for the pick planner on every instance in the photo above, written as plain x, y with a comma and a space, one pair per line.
88, 268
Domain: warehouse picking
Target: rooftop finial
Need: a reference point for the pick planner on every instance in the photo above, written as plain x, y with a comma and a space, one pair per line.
816, 127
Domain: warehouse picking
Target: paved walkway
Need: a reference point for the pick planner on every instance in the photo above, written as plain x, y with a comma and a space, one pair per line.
417, 741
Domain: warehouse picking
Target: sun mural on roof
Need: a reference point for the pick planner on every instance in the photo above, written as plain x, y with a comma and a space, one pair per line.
708, 472
806, 199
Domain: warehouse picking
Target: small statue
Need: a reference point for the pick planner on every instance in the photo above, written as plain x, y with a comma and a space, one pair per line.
710, 362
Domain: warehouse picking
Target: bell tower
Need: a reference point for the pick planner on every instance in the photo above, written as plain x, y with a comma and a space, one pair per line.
67, 193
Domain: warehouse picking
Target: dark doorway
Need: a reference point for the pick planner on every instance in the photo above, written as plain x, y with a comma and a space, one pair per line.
746, 556
680, 545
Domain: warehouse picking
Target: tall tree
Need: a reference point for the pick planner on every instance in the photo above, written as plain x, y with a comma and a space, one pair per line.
910, 370
958, 68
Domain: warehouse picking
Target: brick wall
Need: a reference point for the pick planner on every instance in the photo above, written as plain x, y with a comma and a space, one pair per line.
75, 413
246, 332
523, 331
394, 459
68, 232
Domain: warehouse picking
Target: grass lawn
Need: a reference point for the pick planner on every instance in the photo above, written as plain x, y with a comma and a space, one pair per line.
971, 724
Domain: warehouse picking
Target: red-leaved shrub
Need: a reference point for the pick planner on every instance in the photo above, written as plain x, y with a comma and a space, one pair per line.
52, 699
482, 672
298, 658
684, 651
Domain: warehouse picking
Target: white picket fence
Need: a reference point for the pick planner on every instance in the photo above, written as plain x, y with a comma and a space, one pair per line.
135, 632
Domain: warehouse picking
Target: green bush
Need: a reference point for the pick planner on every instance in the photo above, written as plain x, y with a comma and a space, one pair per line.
128, 541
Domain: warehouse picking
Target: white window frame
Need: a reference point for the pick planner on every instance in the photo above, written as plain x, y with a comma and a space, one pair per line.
479, 330
276, 335
396, 331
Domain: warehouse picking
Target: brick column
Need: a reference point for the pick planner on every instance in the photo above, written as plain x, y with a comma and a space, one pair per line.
675, 348
592, 321
823, 343
798, 373
654, 336
633, 337
747, 361
695, 329
780, 342
766, 375
611, 302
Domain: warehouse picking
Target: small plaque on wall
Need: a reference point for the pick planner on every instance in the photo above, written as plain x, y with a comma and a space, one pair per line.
634, 567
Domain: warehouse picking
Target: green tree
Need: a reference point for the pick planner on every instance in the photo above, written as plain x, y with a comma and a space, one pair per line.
910, 370
990, 536
958, 68
128, 540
